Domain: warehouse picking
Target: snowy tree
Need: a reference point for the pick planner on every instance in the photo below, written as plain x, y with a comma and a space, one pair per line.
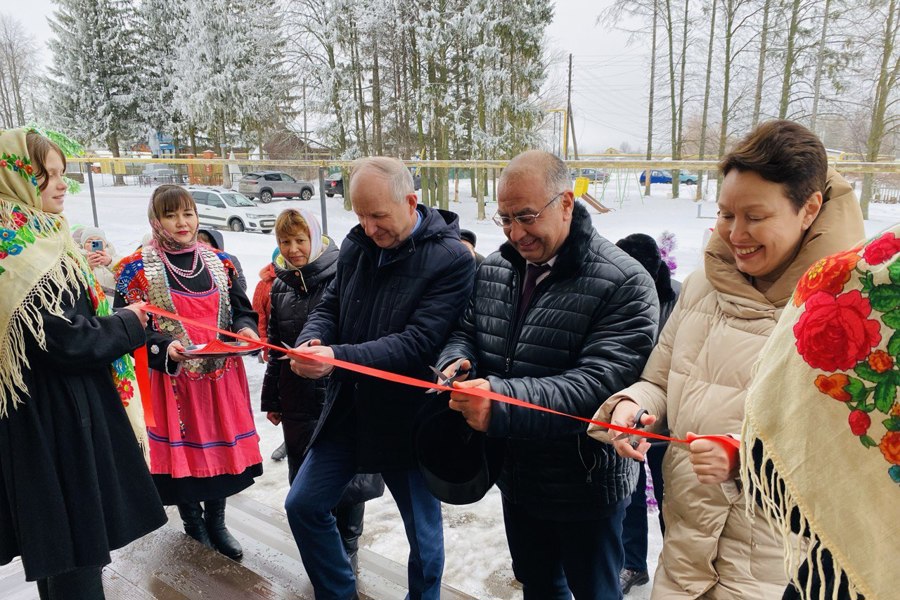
229, 69
161, 24
94, 71
18, 58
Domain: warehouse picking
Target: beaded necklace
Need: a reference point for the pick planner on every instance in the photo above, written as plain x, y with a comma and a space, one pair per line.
193, 273
184, 273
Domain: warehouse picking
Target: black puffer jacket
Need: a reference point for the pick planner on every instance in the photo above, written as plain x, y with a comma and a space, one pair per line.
587, 333
295, 293
394, 316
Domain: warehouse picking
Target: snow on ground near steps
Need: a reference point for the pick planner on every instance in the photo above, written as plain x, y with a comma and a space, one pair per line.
477, 556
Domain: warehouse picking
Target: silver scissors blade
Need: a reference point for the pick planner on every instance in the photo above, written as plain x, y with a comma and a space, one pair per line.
443, 380
286, 356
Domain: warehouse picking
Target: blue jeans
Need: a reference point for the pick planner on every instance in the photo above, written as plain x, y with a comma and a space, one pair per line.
316, 490
556, 559
635, 529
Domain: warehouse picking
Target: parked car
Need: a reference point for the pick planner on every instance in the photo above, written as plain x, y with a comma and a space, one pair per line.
663, 176
266, 185
334, 184
592, 175
217, 207
156, 173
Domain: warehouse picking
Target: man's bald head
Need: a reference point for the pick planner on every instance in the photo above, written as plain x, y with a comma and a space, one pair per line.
554, 172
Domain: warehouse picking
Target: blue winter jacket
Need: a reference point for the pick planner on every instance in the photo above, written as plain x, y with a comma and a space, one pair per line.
393, 316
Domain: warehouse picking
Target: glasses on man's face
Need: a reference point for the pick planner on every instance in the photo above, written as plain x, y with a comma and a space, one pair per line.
506, 222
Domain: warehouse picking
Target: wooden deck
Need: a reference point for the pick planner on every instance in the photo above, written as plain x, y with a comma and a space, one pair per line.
168, 565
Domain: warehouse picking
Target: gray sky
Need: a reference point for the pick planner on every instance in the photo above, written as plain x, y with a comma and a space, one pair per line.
609, 98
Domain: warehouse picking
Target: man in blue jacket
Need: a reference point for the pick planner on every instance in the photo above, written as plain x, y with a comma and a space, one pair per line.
403, 277
562, 318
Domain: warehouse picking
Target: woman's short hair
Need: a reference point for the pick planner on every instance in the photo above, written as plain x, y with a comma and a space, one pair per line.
39, 148
289, 222
782, 152
170, 197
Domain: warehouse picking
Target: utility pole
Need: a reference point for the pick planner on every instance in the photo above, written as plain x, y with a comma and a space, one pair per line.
569, 115
305, 132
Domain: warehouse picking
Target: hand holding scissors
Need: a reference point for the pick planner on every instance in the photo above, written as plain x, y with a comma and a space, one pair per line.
457, 371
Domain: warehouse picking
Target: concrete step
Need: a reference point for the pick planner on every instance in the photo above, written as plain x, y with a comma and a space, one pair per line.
168, 565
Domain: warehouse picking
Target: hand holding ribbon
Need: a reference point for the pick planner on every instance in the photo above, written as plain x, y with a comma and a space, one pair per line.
325, 356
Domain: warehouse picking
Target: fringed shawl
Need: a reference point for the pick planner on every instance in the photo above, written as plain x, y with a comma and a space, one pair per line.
824, 408
41, 271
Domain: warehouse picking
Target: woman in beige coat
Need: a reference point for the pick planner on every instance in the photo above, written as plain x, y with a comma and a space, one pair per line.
780, 210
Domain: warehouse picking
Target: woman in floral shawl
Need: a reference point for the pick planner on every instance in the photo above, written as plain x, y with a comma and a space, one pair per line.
823, 426
73, 481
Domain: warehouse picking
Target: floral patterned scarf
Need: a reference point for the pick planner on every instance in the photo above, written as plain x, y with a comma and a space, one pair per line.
824, 407
41, 270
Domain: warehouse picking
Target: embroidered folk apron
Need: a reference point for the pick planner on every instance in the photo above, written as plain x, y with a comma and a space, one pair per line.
204, 422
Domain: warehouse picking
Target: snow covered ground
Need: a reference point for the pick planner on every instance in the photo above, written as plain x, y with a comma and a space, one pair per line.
477, 556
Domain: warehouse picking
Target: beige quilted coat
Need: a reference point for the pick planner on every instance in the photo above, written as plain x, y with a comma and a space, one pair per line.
696, 380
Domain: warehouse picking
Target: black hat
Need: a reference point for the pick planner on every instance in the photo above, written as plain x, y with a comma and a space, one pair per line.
459, 464
644, 249
467, 236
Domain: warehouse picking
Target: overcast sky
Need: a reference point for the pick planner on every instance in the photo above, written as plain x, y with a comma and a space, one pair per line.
609, 97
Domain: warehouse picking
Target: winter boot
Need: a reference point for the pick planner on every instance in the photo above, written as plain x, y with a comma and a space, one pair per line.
280, 452
350, 525
221, 538
192, 517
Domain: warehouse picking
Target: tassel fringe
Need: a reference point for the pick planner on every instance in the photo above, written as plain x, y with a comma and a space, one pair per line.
778, 505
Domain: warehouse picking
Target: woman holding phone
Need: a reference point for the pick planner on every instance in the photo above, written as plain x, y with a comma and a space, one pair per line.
100, 255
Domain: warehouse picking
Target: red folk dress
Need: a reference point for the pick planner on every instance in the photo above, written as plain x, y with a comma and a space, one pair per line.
203, 443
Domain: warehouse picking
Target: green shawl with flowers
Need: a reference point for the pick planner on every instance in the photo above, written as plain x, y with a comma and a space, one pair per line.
41, 270
825, 405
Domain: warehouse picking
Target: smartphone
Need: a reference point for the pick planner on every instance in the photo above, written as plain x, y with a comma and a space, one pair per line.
96, 245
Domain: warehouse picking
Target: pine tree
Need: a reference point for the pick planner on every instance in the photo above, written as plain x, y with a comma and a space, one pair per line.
162, 31
94, 71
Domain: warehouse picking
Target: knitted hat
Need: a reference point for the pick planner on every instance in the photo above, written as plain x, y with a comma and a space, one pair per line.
643, 249
467, 236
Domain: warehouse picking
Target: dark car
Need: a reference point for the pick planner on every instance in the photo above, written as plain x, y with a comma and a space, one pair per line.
334, 184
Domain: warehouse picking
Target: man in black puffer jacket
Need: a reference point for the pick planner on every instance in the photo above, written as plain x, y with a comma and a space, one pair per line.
403, 278
562, 338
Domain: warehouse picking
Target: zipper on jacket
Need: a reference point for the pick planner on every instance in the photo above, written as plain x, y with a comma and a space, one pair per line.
513, 334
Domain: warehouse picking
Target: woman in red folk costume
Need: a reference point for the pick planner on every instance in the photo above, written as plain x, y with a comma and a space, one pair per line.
203, 446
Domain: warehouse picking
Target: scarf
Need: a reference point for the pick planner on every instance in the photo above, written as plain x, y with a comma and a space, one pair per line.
42, 271
824, 408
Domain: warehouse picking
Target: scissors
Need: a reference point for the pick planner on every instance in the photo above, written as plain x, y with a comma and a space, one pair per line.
635, 439
445, 381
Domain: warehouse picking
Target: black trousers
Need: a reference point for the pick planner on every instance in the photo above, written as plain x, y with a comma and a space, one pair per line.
83, 584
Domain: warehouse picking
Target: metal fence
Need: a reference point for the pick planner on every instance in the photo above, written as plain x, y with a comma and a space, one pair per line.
612, 180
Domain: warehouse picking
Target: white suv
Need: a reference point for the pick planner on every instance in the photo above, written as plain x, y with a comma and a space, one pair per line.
227, 209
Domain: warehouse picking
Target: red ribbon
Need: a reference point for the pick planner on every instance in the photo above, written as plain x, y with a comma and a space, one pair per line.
142, 375
730, 444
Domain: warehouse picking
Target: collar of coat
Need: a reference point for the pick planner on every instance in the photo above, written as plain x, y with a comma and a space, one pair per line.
571, 253
436, 223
